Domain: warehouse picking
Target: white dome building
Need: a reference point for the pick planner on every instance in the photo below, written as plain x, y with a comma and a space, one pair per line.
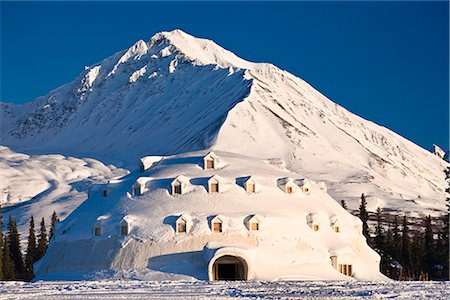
240, 218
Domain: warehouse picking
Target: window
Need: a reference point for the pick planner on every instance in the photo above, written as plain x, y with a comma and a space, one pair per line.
217, 227
97, 231
209, 164
316, 227
255, 226
250, 187
137, 191
105, 193
337, 229
177, 188
214, 188
305, 190
124, 229
181, 227
289, 189
345, 269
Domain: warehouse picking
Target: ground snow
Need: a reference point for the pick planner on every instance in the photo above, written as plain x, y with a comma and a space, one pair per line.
225, 290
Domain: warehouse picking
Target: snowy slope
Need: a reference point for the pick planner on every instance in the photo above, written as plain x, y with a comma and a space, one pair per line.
38, 185
284, 248
177, 93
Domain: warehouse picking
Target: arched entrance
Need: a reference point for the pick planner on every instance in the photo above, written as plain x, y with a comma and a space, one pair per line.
229, 267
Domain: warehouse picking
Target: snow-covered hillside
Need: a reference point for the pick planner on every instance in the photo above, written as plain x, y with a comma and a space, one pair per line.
283, 227
177, 93
38, 185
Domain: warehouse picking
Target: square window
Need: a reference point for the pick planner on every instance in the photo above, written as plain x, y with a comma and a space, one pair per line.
124, 229
181, 227
217, 227
255, 226
97, 231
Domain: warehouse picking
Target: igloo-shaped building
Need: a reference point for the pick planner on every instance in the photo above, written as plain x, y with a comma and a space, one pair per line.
289, 229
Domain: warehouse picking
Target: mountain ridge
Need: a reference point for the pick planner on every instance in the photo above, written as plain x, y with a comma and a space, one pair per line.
177, 93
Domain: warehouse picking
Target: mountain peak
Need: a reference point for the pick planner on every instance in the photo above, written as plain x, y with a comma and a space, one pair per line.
201, 51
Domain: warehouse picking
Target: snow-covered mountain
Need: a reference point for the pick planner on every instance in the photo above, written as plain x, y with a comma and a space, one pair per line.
177, 93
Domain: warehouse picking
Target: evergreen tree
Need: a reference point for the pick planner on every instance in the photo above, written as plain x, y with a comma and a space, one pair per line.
444, 236
379, 235
42, 242
417, 257
343, 204
397, 245
8, 264
364, 216
1, 245
406, 246
429, 251
31, 251
52, 225
14, 248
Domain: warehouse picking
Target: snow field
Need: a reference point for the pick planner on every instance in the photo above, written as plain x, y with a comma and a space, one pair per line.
124, 289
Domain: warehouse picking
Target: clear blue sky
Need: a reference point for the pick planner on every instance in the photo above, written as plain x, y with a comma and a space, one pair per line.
385, 61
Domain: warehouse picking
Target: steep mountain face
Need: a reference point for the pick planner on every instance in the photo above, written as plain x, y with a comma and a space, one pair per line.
178, 93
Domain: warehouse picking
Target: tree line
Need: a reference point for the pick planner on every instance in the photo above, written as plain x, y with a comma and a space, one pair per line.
411, 250
14, 265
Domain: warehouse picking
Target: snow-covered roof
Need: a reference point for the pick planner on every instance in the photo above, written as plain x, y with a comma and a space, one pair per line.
210, 155
215, 178
250, 179
184, 217
180, 179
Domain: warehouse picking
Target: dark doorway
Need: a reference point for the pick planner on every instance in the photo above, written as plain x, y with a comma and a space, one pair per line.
227, 271
230, 268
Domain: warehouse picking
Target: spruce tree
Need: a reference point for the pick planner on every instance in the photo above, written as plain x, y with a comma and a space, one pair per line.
1, 245
8, 264
406, 246
445, 231
42, 242
417, 256
397, 245
31, 251
14, 248
429, 246
52, 225
343, 204
379, 235
364, 216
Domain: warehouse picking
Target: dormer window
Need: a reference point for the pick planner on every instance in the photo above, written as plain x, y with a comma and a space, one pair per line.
253, 223
124, 230
97, 231
209, 164
213, 185
217, 226
210, 161
181, 226
289, 189
179, 184
255, 226
250, 185
316, 227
